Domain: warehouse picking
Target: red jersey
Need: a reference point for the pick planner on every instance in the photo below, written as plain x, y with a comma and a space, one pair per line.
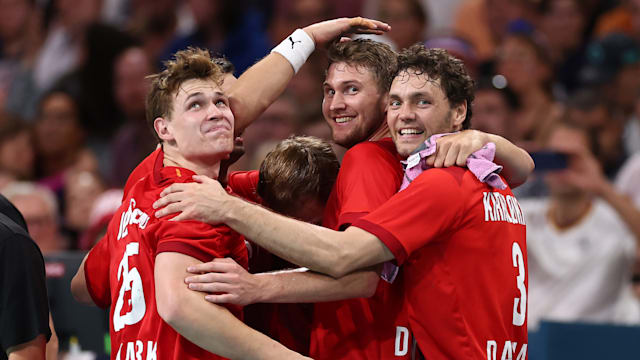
119, 270
376, 327
463, 249
143, 169
289, 324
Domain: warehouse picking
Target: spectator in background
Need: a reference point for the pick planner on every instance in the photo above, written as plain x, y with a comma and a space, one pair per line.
24, 330
528, 71
581, 240
407, 18
493, 108
59, 137
17, 155
563, 24
133, 141
229, 27
296, 14
81, 190
39, 207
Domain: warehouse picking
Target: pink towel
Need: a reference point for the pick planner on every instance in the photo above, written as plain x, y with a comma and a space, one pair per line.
480, 163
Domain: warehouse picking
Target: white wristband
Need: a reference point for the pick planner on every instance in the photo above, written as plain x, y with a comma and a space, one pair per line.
296, 48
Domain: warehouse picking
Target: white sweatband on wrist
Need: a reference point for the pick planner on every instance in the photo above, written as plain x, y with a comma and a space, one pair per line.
296, 48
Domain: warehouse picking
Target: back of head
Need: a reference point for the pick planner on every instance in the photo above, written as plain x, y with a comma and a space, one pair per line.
192, 63
300, 169
374, 56
438, 64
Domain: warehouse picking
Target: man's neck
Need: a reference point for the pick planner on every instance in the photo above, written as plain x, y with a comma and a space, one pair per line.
208, 168
380, 133
566, 212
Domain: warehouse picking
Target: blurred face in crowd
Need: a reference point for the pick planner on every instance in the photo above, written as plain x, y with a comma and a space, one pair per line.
276, 123
41, 221
566, 140
131, 85
408, 28
518, 62
200, 126
82, 188
352, 105
58, 130
13, 18
419, 108
17, 156
564, 24
491, 112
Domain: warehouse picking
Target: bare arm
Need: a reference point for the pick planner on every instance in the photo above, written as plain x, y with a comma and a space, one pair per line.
52, 344
335, 253
288, 286
79, 288
210, 326
625, 208
31, 350
260, 85
455, 149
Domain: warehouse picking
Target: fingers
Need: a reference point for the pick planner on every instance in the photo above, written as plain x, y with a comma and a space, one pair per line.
442, 148
223, 299
216, 287
203, 179
452, 155
173, 188
169, 209
216, 265
364, 24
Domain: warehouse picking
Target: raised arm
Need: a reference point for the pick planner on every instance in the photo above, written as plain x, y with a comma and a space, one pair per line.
455, 149
210, 326
335, 253
261, 84
228, 282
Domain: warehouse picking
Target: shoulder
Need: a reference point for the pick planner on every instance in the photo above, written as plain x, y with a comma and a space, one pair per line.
367, 148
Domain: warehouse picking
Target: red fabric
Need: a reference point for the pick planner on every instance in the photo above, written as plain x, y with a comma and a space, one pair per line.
361, 328
143, 169
459, 261
245, 185
135, 227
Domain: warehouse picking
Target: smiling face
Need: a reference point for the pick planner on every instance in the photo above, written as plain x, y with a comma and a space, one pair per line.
419, 108
353, 105
200, 127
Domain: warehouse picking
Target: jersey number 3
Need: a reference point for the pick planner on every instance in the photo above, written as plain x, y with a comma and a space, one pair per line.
519, 303
131, 282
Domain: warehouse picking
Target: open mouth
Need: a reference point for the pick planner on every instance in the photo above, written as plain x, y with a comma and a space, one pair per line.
410, 132
343, 119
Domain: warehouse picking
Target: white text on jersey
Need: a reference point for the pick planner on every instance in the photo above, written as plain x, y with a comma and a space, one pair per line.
497, 207
132, 216
135, 351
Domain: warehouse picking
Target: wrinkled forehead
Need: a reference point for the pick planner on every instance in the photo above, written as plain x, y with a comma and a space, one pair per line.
193, 86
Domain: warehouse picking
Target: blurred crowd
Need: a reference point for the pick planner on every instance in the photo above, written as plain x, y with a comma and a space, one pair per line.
560, 75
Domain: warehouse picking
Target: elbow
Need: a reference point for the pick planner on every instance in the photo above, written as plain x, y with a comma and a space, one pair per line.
370, 285
339, 264
79, 290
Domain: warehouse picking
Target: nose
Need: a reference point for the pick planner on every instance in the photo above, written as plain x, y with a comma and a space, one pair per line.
337, 102
213, 112
406, 113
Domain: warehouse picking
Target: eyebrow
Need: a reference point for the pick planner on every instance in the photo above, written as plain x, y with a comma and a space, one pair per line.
346, 82
412, 95
199, 93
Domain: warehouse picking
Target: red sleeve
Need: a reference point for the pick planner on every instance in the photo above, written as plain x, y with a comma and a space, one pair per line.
369, 176
143, 169
96, 273
198, 240
245, 185
427, 210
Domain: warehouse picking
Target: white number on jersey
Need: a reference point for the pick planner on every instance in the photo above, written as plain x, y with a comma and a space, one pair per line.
132, 282
520, 303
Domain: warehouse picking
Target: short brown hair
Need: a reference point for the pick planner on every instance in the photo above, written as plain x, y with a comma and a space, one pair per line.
192, 63
439, 64
299, 167
375, 56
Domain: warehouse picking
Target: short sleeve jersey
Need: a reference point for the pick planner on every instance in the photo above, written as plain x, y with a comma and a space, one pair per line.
143, 169
119, 270
24, 307
463, 253
366, 328
289, 324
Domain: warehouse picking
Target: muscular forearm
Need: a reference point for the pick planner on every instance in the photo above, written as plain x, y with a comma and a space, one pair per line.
308, 287
257, 88
209, 326
335, 253
516, 162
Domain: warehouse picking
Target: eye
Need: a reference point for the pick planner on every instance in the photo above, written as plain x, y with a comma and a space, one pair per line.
221, 103
194, 105
352, 90
423, 102
329, 92
394, 103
